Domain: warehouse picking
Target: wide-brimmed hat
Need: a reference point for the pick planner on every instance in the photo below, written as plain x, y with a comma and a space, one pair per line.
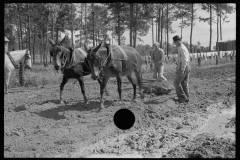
176, 38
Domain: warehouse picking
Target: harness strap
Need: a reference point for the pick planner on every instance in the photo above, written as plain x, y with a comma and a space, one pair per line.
16, 66
123, 52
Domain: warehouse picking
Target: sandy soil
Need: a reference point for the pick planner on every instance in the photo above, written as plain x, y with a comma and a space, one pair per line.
36, 125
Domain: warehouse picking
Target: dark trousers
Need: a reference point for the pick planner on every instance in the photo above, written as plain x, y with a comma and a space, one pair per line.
181, 84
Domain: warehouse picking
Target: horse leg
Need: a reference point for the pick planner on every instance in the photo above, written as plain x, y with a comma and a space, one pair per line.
102, 90
138, 74
7, 78
106, 90
134, 86
119, 83
80, 80
64, 81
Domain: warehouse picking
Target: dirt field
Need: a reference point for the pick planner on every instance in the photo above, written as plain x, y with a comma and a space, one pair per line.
36, 125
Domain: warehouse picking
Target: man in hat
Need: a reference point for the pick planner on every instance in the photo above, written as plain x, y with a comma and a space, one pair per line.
182, 71
158, 58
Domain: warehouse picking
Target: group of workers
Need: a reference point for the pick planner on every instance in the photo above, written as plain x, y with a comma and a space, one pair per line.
182, 71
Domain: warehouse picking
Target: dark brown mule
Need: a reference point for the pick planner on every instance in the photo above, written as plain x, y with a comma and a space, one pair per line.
73, 64
115, 61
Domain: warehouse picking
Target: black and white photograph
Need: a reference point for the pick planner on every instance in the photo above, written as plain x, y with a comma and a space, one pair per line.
119, 80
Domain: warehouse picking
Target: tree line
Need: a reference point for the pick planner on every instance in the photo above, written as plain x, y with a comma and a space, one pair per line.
29, 25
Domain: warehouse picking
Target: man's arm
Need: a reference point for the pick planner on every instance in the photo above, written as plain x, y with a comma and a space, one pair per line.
152, 57
163, 56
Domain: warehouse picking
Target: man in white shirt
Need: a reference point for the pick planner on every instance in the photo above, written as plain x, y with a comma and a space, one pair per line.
182, 71
158, 59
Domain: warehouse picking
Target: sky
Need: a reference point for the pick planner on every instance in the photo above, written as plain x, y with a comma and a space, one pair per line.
201, 31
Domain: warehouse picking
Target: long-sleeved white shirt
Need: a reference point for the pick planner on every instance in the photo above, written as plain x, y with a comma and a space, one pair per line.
183, 57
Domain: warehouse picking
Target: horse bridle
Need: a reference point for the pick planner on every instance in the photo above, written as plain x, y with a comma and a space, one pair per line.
97, 57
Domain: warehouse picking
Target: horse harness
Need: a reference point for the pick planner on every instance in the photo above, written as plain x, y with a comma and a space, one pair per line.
109, 61
16, 66
71, 64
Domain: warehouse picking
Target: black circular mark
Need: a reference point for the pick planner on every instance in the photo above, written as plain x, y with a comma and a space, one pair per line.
124, 119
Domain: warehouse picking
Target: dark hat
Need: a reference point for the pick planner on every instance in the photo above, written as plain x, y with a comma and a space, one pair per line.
176, 38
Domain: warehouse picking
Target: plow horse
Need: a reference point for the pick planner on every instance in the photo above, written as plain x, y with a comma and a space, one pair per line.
72, 63
115, 61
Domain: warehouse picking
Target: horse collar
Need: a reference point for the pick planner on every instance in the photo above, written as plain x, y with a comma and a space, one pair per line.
16, 66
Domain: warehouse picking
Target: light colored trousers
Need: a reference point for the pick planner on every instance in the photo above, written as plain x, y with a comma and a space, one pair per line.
158, 71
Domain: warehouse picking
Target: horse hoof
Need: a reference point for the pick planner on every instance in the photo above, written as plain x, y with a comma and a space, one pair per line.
102, 106
61, 102
87, 102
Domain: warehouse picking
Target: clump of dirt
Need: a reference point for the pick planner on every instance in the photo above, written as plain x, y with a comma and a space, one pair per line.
157, 87
204, 146
231, 123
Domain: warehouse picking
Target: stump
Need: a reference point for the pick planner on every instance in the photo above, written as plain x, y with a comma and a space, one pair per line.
157, 87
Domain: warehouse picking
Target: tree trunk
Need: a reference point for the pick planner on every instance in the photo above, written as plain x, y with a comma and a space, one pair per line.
217, 46
93, 25
29, 29
33, 49
135, 28
159, 13
119, 36
152, 33
19, 41
85, 25
220, 25
131, 21
52, 34
46, 44
161, 28
156, 32
57, 30
182, 20
80, 28
20, 24
98, 37
167, 29
191, 29
210, 28
42, 46
72, 26
112, 37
